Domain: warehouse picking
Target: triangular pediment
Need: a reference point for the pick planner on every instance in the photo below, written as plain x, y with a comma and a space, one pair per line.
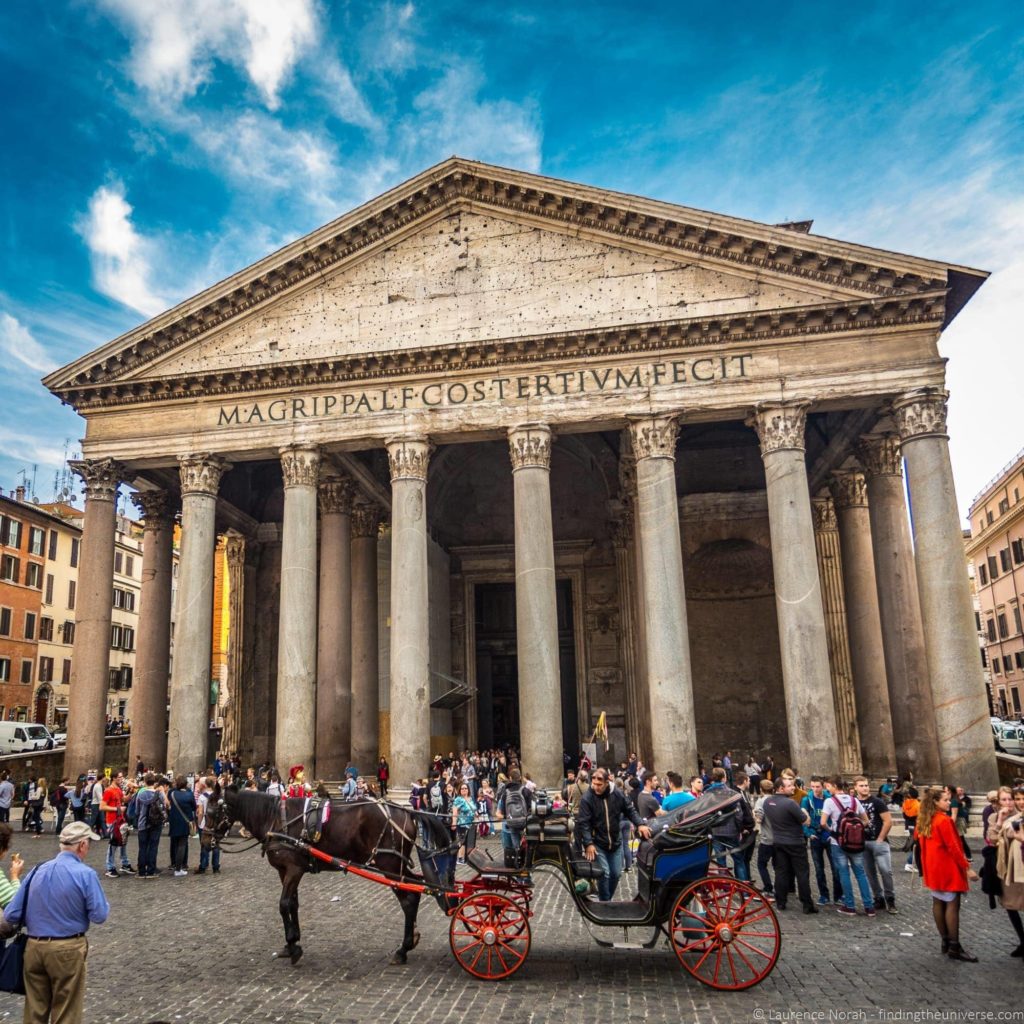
465, 254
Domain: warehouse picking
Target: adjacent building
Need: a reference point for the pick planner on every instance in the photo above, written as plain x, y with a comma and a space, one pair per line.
997, 549
632, 458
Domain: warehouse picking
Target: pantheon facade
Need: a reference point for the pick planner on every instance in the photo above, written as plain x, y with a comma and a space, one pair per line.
495, 453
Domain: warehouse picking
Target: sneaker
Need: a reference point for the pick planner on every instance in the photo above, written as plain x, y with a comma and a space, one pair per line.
810, 908
180, 874
112, 873
879, 903
910, 868
890, 906
846, 911
824, 901
127, 869
870, 912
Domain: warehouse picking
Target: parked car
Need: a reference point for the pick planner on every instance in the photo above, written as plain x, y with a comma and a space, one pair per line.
18, 737
59, 739
1009, 738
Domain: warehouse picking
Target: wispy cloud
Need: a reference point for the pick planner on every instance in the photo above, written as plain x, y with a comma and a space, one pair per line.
176, 44
120, 255
17, 342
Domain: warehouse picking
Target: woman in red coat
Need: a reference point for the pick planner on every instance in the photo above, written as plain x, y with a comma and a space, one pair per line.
944, 868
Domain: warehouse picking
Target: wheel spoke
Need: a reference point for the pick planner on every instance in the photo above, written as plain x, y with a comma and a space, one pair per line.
752, 948
750, 967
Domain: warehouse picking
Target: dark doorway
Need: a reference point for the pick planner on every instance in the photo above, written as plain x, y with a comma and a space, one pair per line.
497, 666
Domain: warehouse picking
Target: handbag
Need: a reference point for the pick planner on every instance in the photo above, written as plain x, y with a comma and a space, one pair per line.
12, 951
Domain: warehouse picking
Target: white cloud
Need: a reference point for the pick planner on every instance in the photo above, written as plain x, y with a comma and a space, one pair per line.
342, 96
120, 255
454, 120
176, 43
17, 342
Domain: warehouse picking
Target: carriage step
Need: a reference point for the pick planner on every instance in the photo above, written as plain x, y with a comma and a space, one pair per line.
618, 912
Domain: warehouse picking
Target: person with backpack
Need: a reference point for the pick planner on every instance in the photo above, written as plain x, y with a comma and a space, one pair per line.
514, 805
846, 821
150, 813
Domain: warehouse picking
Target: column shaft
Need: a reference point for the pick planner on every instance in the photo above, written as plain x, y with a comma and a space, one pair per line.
958, 685
410, 623
236, 681
623, 538
831, 572
663, 597
334, 644
810, 707
90, 660
365, 681
906, 667
193, 630
296, 645
874, 716
148, 742
540, 685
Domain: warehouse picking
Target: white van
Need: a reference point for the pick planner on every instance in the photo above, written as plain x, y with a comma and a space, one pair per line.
17, 737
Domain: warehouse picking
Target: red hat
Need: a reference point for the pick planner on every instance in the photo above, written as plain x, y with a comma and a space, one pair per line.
294, 770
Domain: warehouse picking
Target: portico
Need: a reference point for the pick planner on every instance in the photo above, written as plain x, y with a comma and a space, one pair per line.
623, 408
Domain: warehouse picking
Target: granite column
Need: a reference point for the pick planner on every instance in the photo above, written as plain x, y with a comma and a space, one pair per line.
365, 682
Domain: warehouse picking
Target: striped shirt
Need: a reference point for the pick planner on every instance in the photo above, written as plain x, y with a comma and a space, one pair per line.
7, 888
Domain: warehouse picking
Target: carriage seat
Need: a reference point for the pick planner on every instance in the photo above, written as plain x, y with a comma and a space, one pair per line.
479, 861
549, 829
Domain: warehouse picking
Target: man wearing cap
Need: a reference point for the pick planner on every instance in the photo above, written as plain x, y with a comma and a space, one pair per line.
65, 897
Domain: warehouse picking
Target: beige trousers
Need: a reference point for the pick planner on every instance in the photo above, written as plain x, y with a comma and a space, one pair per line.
55, 981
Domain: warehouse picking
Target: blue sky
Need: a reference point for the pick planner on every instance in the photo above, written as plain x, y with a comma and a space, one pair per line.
152, 147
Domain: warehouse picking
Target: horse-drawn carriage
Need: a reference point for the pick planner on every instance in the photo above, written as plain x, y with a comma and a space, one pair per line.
720, 929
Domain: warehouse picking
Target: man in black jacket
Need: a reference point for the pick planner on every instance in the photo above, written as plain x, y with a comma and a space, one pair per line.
601, 811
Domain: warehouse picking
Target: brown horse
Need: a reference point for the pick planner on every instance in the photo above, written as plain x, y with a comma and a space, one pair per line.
373, 833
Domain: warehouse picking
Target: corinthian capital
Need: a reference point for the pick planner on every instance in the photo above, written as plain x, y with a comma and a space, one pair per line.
101, 477
336, 493
879, 454
849, 489
653, 437
529, 445
780, 426
300, 464
157, 508
408, 458
824, 513
365, 521
234, 549
201, 474
921, 414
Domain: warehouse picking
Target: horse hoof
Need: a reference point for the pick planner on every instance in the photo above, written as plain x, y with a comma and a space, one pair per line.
398, 959
415, 939
296, 954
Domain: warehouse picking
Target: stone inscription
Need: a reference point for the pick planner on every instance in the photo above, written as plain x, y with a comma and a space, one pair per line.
505, 389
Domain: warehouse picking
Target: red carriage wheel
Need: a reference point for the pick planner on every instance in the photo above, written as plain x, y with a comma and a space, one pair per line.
490, 936
724, 934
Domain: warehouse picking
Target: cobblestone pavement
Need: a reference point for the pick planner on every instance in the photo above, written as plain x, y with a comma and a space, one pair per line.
199, 951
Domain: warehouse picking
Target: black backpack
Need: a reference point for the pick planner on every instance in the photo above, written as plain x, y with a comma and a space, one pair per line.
517, 810
156, 813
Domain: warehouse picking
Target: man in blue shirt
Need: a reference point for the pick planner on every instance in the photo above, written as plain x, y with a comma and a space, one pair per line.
677, 796
64, 898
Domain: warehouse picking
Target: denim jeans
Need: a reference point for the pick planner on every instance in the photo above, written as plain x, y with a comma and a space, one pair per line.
739, 861
878, 861
125, 862
820, 855
149, 841
61, 814
179, 853
625, 830
204, 858
611, 862
844, 862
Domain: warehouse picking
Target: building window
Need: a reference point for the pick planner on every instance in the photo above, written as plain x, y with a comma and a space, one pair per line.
65, 673
30, 625
72, 587
1019, 659
46, 670
118, 598
20, 713
5, 670
1016, 618
1007, 664
6, 618
1004, 559
129, 565
1004, 631
977, 621
984, 658
1018, 551
26, 670
988, 516
1004, 505
118, 562
991, 630
126, 677
69, 632
34, 575
1016, 699
75, 542
983, 574
10, 532
129, 600
10, 568
995, 667
36, 540
993, 567
128, 639
115, 637
112, 677
49, 588
52, 553
46, 629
